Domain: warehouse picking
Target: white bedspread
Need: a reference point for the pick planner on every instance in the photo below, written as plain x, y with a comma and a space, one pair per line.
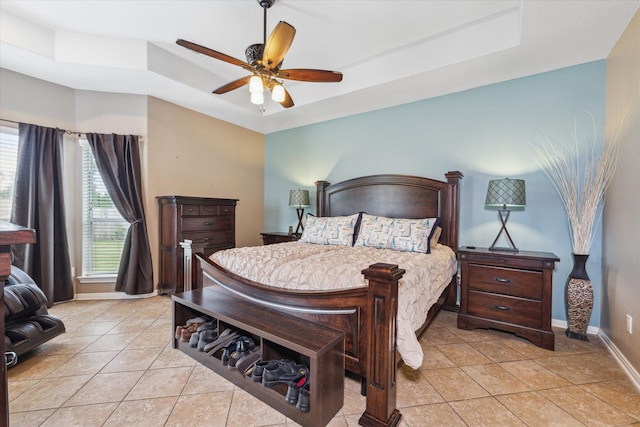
305, 266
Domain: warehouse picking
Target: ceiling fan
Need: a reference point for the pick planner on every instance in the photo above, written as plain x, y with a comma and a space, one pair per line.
264, 61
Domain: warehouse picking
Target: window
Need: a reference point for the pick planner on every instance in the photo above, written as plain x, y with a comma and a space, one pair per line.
103, 228
8, 162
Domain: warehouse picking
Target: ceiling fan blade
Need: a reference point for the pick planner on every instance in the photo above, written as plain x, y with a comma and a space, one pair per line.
309, 75
233, 85
278, 45
213, 53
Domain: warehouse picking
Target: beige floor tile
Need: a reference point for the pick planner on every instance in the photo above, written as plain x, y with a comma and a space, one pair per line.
103, 388
337, 421
81, 416
91, 328
32, 368
142, 413
534, 375
49, 393
454, 384
133, 360
440, 335
84, 364
462, 354
435, 415
527, 348
621, 394
585, 407
354, 402
584, 368
30, 419
112, 342
413, 389
204, 380
485, 411
172, 358
497, 351
246, 410
206, 409
127, 327
17, 388
537, 411
476, 335
433, 358
495, 379
66, 344
160, 383
151, 338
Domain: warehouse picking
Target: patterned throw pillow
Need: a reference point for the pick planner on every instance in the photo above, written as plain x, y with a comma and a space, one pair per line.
400, 234
336, 230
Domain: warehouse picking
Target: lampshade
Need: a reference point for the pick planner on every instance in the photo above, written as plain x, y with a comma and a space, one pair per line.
299, 198
506, 192
277, 94
257, 98
255, 84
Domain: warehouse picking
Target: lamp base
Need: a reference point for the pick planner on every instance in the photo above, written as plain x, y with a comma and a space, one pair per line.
504, 217
300, 212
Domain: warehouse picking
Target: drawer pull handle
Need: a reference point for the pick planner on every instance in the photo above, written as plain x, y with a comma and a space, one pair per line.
208, 223
501, 307
207, 238
501, 280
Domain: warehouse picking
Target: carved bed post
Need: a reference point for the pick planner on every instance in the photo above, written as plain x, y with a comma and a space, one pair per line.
187, 265
321, 208
381, 345
453, 202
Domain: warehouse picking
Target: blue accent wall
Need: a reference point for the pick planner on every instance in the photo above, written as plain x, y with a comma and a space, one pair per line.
486, 133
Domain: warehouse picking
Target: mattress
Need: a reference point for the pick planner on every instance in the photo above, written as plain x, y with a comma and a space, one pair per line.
312, 267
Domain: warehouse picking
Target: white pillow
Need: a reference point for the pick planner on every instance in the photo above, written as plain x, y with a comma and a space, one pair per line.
400, 234
329, 230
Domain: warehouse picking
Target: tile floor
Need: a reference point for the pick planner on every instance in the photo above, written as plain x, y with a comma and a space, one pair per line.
115, 367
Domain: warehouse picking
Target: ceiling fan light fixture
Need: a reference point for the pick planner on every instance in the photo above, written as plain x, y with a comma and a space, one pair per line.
257, 98
277, 93
255, 85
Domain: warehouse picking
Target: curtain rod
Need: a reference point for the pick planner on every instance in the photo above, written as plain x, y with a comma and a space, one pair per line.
67, 132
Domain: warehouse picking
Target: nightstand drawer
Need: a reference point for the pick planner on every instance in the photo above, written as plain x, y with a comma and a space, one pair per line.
520, 311
508, 281
210, 238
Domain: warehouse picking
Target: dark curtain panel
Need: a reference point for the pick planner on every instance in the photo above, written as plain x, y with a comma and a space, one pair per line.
118, 160
39, 204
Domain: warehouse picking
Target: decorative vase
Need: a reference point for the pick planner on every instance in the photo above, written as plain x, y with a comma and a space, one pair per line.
579, 299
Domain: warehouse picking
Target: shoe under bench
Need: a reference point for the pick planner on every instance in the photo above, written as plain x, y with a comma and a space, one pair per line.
280, 336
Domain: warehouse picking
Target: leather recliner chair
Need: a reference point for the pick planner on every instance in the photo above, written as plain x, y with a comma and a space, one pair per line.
26, 318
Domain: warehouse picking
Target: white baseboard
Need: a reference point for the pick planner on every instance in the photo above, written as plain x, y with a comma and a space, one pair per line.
631, 372
111, 295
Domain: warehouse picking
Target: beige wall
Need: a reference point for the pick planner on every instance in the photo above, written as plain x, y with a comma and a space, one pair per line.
621, 229
183, 152
190, 154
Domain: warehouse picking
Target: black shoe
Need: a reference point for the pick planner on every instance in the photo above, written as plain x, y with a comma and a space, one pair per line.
284, 373
304, 403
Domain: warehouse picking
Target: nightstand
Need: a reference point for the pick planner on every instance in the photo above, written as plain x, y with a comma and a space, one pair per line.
509, 291
279, 237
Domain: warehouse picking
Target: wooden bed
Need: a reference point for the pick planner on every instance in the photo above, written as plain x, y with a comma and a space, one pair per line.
366, 315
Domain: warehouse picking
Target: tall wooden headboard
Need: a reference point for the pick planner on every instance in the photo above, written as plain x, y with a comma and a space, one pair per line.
396, 196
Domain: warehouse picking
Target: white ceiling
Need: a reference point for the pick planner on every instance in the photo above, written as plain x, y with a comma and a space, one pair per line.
390, 52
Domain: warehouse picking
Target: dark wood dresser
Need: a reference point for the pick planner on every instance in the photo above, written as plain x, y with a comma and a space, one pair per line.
509, 291
208, 222
279, 237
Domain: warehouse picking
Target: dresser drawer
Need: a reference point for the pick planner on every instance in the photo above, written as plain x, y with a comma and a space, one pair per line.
520, 311
189, 210
509, 281
206, 223
210, 238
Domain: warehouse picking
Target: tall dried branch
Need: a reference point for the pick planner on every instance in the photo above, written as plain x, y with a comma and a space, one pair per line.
581, 173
